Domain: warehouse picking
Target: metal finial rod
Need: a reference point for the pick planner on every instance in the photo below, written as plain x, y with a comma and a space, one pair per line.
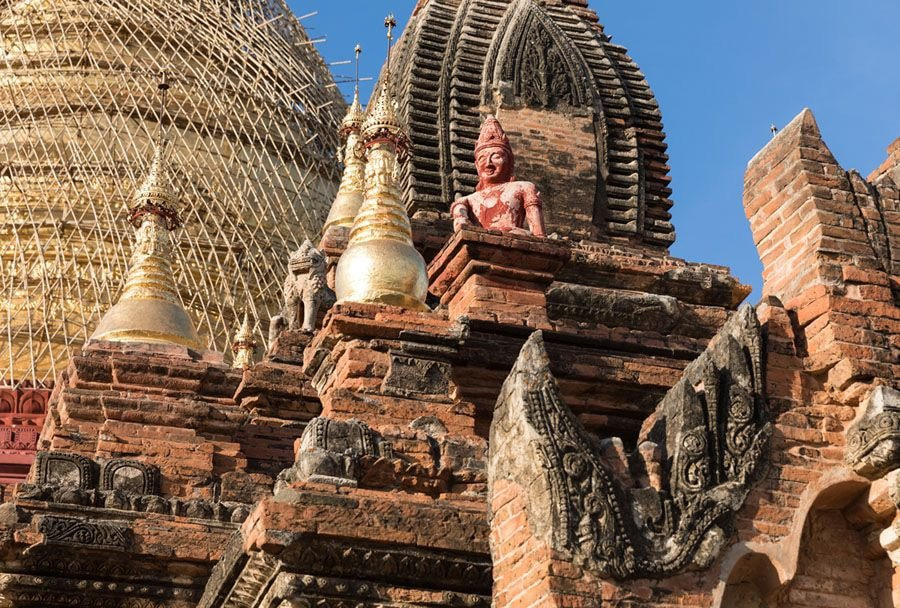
358, 51
390, 23
163, 88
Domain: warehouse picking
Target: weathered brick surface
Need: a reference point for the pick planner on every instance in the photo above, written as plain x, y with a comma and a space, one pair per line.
621, 323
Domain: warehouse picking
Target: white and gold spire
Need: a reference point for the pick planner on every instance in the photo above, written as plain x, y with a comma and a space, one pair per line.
352, 190
244, 345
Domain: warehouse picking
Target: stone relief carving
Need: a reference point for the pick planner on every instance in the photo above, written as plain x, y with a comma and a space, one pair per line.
412, 376
544, 69
65, 469
330, 450
339, 572
324, 557
873, 443
96, 535
306, 292
126, 485
666, 508
129, 476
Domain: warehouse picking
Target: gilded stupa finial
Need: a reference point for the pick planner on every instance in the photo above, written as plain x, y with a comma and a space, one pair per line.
350, 194
149, 309
382, 121
380, 264
243, 345
355, 117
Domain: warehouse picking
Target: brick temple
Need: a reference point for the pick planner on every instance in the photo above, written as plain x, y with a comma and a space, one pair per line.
490, 383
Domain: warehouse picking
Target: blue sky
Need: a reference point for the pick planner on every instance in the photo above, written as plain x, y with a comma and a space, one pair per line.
723, 72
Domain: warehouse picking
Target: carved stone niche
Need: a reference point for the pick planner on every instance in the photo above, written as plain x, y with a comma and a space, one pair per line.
666, 508
65, 469
129, 476
873, 443
330, 450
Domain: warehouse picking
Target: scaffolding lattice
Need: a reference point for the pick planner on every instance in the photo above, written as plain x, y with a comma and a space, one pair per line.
252, 113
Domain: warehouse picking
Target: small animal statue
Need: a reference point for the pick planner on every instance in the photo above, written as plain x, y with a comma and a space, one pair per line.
305, 292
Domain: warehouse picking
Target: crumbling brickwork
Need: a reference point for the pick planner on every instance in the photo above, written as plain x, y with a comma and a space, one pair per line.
572, 422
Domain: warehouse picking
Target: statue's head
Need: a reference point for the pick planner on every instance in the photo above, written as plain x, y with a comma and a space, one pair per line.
305, 259
494, 159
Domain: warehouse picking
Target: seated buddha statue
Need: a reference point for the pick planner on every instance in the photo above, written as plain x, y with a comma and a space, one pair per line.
499, 202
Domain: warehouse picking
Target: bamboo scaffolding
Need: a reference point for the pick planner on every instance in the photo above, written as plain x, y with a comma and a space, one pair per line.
254, 123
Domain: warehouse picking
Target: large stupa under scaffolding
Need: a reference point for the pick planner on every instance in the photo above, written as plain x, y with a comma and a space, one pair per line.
253, 115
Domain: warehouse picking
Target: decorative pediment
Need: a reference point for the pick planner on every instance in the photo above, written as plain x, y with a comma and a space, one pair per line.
540, 62
669, 505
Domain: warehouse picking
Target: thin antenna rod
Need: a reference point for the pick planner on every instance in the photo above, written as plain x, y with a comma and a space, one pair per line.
358, 51
390, 23
163, 87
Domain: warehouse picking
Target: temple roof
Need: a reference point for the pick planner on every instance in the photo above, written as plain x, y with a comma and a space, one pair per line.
584, 124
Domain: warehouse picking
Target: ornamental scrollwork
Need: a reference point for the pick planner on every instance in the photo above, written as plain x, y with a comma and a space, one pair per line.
71, 531
873, 443
668, 506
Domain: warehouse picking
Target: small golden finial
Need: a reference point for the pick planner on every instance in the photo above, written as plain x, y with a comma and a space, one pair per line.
244, 346
382, 121
355, 115
150, 309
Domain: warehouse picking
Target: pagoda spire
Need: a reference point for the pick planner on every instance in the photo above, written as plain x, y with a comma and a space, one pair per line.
244, 345
380, 264
352, 190
150, 309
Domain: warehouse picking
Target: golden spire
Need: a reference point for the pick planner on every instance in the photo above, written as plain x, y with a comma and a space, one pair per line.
244, 346
149, 309
380, 264
350, 194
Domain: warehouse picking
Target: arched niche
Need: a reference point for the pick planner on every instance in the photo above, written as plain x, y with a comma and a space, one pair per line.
540, 85
753, 583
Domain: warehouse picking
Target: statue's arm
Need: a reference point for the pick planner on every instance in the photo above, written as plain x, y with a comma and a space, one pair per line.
534, 210
459, 211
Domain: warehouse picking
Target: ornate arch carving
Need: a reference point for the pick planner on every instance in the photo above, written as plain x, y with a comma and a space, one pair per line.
539, 62
65, 469
129, 475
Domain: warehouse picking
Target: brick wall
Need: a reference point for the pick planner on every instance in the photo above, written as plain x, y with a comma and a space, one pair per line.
827, 239
559, 153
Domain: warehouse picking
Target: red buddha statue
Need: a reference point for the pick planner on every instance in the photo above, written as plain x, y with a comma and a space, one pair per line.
499, 201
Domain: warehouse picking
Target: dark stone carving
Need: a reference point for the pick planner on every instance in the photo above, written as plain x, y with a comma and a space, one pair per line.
543, 69
873, 443
96, 535
468, 573
329, 592
699, 454
129, 476
224, 573
95, 584
306, 292
65, 469
412, 377
228, 511
330, 450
